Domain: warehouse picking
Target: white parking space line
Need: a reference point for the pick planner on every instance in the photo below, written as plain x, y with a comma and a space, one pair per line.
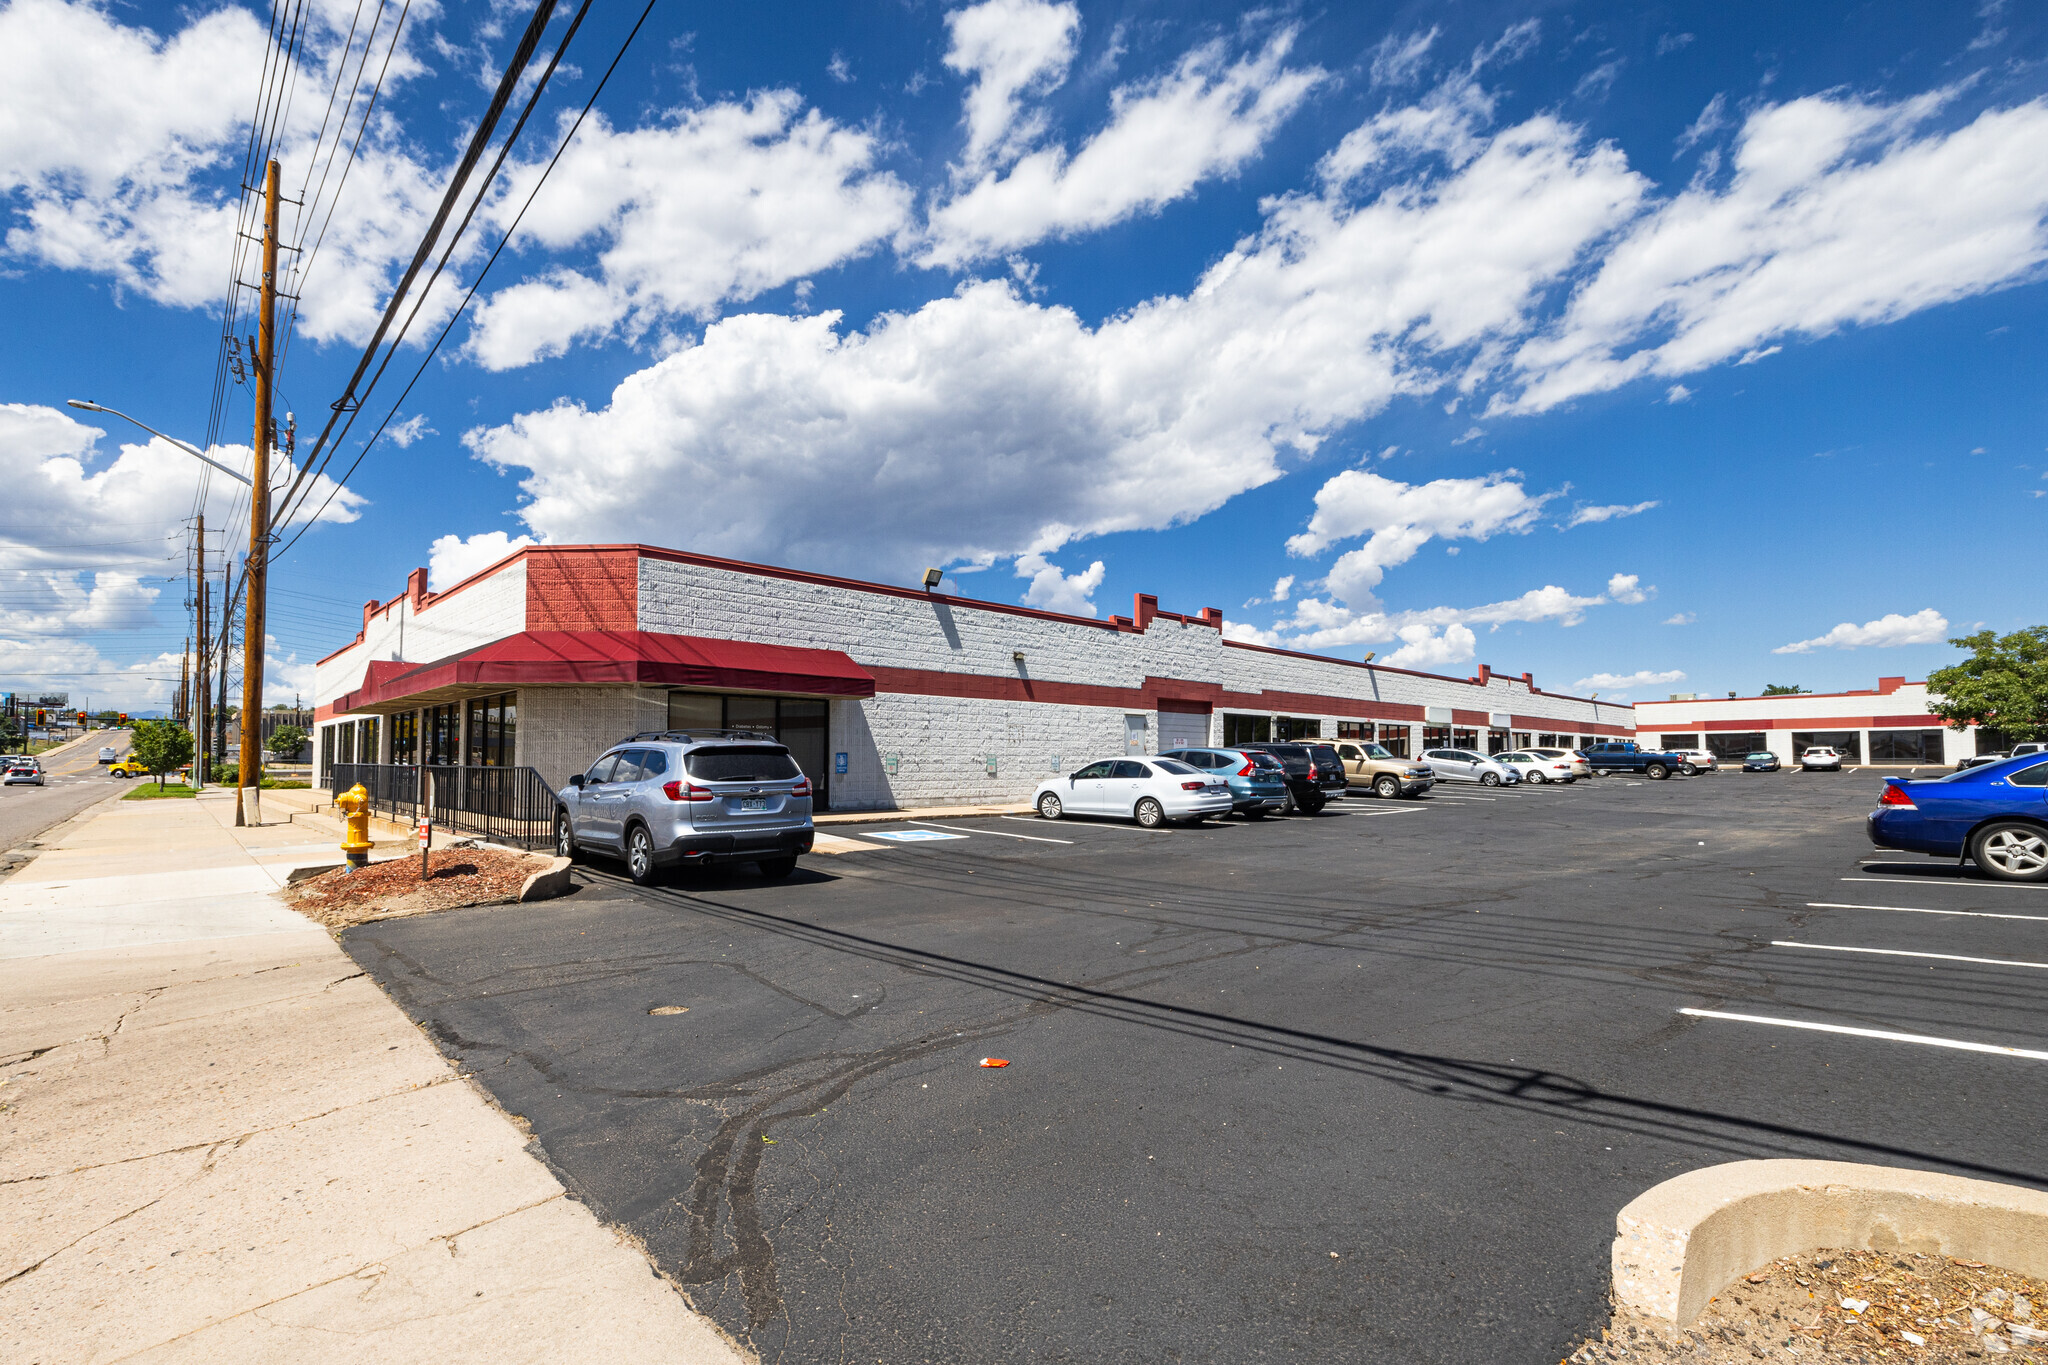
1901, 952
1885, 1034
1434, 797
1089, 824
1968, 884
998, 833
1921, 910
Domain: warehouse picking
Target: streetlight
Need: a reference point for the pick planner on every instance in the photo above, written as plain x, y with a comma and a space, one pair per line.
193, 451
202, 752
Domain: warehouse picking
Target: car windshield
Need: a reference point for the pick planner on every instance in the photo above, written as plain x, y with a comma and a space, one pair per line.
741, 763
1375, 751
1174, 766
1514, 758
1761, 755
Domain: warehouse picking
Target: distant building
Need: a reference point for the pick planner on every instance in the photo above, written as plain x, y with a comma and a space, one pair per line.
1890, 726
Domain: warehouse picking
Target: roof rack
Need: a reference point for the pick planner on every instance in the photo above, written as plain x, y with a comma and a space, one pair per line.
692, 736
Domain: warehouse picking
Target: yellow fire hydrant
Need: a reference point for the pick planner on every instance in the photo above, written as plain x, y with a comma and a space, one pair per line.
355, 840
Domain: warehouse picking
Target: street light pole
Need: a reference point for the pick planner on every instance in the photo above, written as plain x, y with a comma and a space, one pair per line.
84, 405
251, 776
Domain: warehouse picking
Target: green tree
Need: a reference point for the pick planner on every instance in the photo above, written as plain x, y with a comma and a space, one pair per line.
285, 741
2002, 686
1783, 690
161, 745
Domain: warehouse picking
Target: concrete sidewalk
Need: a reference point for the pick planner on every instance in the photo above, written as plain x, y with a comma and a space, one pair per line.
221, 1141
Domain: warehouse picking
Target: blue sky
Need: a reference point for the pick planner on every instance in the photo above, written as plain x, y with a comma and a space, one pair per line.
1647, 348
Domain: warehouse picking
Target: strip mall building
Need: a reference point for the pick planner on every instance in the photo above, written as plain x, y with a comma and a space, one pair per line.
1891, 725
887, 696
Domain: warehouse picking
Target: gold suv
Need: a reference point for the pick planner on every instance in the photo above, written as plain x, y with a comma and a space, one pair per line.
1370, 766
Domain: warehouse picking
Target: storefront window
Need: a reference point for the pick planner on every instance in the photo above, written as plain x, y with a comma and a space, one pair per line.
1246, 730
1691, 741
1732, 746
799, 723
1464, 739
1394, 739
366, 741
1296, 727
1353, 729
405, 738
493, 727
1496, 741
1905, 746
1436, 736
1848, 743
440, 738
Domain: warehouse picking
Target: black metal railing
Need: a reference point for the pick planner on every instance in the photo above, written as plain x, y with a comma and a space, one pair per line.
509, 805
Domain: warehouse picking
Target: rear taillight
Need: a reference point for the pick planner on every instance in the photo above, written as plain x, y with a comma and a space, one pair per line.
1312, 773
679, 791
1895, 796
802, 787
1248, 769
1192, 786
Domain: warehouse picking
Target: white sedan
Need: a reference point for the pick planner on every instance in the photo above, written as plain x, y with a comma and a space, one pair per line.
1536, 768
1821, 759
1464, 765
1149, 790
23, 772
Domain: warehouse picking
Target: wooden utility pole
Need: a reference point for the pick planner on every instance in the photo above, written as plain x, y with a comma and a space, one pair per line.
251, 778
202, 737
182, 711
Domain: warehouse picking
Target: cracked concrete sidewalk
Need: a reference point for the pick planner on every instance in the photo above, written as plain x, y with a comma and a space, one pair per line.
219, 1141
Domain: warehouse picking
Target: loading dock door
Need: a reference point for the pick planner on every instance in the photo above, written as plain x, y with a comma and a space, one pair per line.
1180, 730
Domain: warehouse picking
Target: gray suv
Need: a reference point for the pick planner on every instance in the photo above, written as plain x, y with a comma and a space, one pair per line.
692, 798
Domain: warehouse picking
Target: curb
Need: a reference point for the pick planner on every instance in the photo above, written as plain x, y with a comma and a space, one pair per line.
551, 881
1679, 1244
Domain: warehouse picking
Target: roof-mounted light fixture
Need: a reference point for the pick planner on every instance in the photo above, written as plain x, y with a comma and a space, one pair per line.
931, 579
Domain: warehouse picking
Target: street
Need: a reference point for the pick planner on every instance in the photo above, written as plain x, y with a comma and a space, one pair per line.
1375, 1092
74, 780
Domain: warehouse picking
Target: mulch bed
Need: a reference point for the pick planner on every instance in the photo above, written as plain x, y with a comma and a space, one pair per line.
455, 877
1850, 1306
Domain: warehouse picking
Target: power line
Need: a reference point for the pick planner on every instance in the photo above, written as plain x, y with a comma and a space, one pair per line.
350, 401
475, 284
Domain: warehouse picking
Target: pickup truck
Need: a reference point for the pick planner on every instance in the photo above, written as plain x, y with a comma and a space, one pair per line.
1624, 756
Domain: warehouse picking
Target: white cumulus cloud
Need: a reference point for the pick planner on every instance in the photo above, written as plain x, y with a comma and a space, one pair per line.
453, 558
1924, 627
1582, 516
1624, 682
1012, 48
1627, 589
1398, 519
1206, 117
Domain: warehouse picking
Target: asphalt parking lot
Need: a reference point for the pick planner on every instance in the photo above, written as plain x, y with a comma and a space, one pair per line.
1365, 1086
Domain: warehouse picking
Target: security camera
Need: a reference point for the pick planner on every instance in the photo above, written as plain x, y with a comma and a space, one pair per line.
931, 579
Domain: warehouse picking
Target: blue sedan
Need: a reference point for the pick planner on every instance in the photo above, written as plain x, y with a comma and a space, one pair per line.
1997, 815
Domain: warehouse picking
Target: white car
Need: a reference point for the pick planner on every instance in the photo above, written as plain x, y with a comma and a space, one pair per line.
1463, 765
1149, 790
1580, 768
1696, 761
23, 772
1820, 758
1534, 767
107, 755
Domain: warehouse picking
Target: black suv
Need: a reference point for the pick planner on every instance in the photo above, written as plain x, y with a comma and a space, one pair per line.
1314, 773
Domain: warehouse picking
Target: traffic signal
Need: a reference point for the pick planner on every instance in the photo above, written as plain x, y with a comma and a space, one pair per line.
81, 719
39, 716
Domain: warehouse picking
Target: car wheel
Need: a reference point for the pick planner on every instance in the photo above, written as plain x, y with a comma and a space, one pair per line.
1538, 777
1049, 807
775, 869
1386, 789
565, 837
2012, 851
1489, 779
1151, 814
640, 855
1688, 770
1656, 772
1313, 804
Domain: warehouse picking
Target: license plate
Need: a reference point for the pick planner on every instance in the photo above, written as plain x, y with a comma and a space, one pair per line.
753, 803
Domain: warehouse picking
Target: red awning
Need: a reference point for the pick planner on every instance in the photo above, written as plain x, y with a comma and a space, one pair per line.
616, 657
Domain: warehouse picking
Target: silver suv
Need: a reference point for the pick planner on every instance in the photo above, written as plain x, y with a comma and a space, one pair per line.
693, 798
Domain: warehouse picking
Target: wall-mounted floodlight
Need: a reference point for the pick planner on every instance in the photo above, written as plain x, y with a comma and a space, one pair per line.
931, 579
1371, 654
1017, 655
1731, 695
